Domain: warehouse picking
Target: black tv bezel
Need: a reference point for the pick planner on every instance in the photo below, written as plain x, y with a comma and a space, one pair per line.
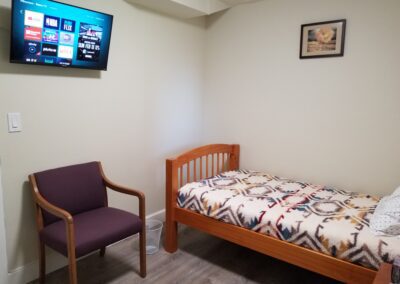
56, 65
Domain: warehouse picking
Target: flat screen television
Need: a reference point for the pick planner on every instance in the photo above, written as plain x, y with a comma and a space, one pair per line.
45, 32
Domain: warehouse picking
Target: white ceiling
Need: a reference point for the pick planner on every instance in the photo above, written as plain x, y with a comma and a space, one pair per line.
237, 2
189, 8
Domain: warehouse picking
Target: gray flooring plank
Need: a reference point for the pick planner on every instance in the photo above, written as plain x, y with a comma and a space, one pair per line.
201, 259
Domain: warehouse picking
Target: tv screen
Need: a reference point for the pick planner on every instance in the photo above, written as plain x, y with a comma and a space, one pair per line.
52, 33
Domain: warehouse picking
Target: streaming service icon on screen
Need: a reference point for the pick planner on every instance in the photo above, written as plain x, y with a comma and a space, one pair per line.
32, 33
49, 49
65, 51
67, 38
32, 48
50, 36
51, 22
68, 25
33, 19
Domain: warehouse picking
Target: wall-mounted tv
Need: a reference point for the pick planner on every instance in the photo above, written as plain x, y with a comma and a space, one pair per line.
52, 33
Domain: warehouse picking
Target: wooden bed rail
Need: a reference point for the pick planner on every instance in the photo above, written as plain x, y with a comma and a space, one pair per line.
194, 165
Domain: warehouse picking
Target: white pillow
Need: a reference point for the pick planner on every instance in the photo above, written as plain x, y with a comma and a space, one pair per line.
386, 218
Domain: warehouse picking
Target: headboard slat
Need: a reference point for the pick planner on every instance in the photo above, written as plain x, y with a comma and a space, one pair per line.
218, 165
201, 167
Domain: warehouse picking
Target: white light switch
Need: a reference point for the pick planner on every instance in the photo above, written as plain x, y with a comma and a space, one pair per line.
14, 122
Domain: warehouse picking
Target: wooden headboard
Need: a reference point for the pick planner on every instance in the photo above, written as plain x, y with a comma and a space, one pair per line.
194, 165
197, 164
201, 163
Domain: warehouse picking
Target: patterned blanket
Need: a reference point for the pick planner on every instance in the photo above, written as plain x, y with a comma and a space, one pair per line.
331, 221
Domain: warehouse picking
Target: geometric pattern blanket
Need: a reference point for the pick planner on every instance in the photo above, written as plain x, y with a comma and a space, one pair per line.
327, 220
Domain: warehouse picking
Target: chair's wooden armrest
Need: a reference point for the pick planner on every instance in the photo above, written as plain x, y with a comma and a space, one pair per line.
57, 211
123, 189
44, 204
134, 192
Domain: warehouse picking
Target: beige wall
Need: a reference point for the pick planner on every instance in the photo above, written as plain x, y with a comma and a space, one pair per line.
147, 106
332, 121
3, 256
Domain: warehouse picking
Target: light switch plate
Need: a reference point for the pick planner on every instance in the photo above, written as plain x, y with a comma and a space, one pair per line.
14, 122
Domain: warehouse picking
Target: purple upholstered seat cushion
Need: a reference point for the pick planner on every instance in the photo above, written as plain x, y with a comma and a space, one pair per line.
76, 189
93, 230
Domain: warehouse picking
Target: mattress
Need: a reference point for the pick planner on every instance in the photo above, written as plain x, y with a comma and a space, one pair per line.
324, 219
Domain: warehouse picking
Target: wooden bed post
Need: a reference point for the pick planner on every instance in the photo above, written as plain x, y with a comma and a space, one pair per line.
234, 157
171, 226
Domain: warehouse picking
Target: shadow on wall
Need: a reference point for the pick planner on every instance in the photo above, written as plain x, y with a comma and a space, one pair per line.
213, 19
21, 69
26, 241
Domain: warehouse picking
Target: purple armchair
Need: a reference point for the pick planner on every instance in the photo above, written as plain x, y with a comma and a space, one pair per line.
73, 216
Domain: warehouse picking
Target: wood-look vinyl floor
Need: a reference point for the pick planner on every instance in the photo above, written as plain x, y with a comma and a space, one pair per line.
201, 258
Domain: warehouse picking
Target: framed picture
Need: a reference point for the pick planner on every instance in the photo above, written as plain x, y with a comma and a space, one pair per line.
324, 39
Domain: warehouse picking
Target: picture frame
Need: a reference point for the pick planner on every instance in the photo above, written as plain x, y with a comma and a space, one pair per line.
322, 39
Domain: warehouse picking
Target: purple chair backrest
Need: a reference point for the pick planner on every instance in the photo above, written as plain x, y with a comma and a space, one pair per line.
76, 189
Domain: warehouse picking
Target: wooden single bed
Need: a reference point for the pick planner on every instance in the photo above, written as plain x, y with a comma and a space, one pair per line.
207, 161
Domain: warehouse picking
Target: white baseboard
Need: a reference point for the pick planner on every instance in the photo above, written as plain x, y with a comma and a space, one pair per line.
54, 261
159, 215
30, 271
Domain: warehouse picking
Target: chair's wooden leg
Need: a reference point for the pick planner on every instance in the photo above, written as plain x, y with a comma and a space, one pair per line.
42, 263
102, 251
73, 275
171, 241
142, 240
